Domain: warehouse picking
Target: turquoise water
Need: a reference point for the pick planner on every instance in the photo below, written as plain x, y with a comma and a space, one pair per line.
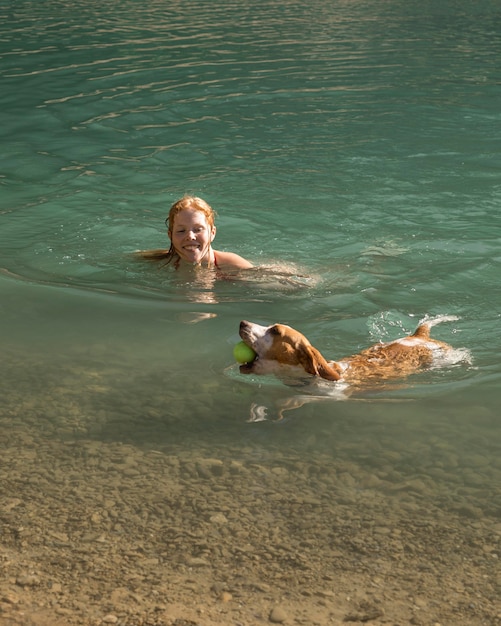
351, 147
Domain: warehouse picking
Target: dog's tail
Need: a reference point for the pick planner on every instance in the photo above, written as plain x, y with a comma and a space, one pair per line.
423, 330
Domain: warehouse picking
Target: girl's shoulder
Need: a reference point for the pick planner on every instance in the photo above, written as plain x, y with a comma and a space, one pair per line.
230, 259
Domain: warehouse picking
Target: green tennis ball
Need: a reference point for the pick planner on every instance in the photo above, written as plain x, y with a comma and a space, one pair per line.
243, 354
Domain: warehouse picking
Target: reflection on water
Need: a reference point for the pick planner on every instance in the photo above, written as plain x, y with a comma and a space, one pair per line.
211, 286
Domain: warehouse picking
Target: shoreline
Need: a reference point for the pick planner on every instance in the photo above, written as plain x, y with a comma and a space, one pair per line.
108, 533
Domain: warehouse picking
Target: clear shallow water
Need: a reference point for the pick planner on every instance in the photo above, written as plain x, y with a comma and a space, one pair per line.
355, 143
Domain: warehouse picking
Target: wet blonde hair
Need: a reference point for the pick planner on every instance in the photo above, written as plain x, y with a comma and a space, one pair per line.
190, 203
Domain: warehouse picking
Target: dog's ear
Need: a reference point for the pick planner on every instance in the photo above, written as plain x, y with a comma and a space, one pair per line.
314, 363
329, 371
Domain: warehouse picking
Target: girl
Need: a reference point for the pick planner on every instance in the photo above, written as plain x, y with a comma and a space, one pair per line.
191, 230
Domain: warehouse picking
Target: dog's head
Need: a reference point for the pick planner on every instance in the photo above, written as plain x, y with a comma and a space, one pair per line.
281, 348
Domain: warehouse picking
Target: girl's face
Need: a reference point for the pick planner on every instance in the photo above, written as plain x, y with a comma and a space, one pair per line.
192, 236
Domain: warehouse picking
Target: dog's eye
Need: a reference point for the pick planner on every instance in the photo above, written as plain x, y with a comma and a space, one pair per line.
274, 330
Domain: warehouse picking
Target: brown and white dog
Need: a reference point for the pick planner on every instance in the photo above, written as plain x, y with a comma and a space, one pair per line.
286, 353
